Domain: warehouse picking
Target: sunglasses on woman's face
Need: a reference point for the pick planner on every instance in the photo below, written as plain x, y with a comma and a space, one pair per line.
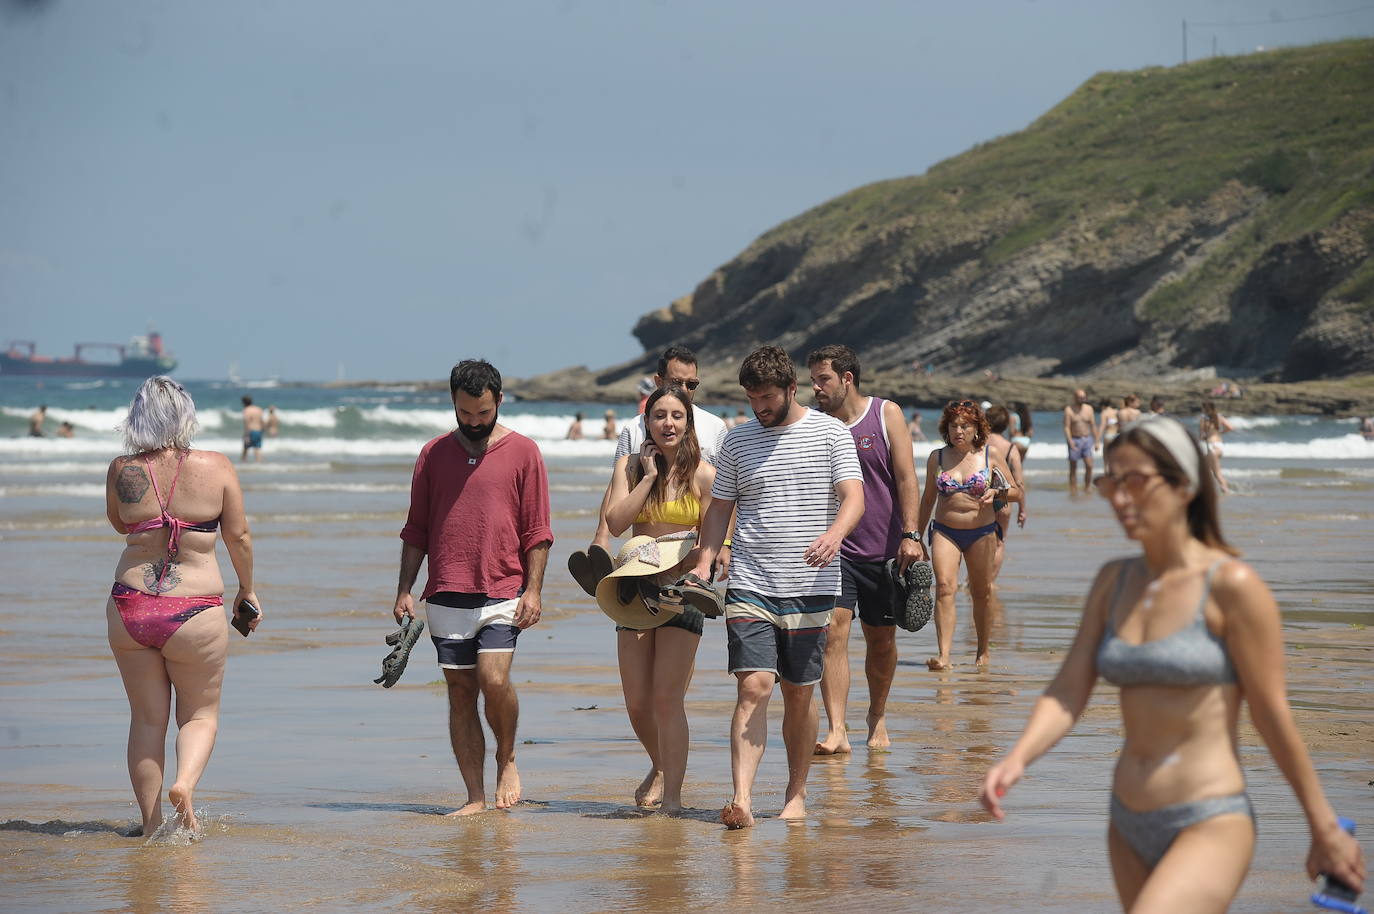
1134, 483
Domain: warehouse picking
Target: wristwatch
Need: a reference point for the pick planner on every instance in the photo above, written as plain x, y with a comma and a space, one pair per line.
912, 535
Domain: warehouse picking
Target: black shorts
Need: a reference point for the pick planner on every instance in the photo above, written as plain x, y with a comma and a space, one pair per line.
866, 590
689, 620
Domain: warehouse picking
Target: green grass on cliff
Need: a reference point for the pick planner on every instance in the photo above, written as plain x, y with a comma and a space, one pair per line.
1127, 147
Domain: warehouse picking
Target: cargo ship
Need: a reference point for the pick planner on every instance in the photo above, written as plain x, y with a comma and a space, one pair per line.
141, 357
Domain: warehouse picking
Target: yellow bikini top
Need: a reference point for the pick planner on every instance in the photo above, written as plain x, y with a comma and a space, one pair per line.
685, 511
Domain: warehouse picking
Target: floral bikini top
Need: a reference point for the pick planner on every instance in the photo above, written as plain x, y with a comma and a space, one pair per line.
975, 485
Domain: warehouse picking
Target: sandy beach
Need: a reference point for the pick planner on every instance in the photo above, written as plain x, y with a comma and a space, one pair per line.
326, 792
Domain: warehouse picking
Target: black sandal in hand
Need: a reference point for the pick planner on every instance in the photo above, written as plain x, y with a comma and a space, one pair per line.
697, 593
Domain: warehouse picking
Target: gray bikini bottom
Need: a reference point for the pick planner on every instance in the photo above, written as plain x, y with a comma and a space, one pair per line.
1150, 833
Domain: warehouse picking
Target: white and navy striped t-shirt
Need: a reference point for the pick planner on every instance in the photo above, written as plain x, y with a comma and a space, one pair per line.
782, 481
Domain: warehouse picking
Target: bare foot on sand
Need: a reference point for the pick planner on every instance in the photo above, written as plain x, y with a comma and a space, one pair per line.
794, 808
877, 733
181, 799
507, 785
733, 815
671, 809
938, 664
981, 661
836, 742
650, 790
470, 808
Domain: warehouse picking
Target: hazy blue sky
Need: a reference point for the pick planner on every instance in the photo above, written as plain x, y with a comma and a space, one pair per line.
390, 186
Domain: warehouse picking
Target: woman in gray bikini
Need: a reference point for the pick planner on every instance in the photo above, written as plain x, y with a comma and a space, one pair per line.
1186, 631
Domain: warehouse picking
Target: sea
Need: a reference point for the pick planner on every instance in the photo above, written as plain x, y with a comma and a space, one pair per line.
327, 792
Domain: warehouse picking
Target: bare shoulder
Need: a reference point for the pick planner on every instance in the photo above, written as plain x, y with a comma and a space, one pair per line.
1236, 579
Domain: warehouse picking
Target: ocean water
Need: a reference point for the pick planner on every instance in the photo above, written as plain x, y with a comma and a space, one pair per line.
325, 791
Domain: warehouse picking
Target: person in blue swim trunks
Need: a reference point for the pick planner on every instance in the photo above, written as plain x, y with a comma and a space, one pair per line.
1187, 632
252, 430
1080, 434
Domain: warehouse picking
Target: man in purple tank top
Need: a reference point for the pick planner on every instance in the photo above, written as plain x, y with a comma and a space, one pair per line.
892, 499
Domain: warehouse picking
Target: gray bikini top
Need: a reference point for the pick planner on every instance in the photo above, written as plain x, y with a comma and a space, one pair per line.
1191, 656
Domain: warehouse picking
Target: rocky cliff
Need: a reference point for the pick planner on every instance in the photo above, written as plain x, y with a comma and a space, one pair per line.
1158, 222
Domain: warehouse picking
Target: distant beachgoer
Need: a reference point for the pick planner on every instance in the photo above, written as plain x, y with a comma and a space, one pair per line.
66, 430
659, 494
963, 528
1367, 428
795, 478
887, 530
575, 429
273, 422
36, 420
1187, 632
647, 386
611, 427
999, 419
1211, 426
914, 427
163, 640
1024, 430
252, 430
1080, 434
740, 418
1157, 406
1130, 410
479, 515
1108, 423
676, 366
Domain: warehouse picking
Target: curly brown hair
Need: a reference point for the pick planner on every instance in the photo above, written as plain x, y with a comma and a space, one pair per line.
968, 411
767, 366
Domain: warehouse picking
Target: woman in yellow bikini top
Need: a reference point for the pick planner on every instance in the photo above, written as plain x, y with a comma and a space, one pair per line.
662, 491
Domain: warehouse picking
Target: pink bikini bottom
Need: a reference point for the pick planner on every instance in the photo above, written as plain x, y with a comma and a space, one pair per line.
151, 620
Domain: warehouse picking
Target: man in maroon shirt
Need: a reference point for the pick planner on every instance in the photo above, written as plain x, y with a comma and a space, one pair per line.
479, 510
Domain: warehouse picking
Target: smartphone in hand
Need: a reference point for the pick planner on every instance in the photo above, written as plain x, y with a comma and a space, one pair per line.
244, 613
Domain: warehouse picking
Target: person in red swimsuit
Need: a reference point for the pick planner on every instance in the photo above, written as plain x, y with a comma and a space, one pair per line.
163, 638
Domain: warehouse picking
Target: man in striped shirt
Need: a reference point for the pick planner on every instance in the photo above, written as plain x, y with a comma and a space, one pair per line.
793, 479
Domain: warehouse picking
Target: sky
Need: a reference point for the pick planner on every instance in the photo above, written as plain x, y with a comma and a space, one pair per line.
314, 189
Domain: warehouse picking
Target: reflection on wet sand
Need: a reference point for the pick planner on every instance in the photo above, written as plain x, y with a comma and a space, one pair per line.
161, 878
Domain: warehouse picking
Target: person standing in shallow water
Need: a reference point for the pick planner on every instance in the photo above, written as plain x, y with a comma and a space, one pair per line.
479, 511
1187, 632
887, 530
794, 478
1080, 434
164, 618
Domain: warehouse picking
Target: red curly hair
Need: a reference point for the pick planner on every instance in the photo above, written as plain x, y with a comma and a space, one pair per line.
968, 411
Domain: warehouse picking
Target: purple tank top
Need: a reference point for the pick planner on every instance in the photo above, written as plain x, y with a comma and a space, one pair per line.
879, 532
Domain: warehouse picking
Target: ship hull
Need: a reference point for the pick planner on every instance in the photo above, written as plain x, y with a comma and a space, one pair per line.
70, 368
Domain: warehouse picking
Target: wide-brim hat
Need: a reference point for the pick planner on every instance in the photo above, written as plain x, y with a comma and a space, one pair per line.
639, 557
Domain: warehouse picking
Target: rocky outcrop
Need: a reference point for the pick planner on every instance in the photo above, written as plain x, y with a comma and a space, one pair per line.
1214, 216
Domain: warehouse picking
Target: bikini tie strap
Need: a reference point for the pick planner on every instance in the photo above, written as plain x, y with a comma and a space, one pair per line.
174, 525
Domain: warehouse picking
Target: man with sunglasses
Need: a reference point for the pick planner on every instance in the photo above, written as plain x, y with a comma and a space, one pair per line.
677, 365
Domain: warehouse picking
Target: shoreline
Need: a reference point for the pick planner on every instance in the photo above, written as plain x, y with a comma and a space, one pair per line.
1350, 397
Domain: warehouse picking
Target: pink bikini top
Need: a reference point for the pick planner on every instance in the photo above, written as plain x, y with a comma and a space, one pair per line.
173, 524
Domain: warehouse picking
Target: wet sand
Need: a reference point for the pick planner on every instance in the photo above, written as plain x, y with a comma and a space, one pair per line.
327, 792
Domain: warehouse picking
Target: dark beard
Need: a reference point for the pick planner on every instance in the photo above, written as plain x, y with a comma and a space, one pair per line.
781, 415
477, 433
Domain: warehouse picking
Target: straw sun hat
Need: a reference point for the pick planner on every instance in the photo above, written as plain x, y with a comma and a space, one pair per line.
642, 556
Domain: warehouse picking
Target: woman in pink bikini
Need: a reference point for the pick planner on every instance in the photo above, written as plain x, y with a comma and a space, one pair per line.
170, 500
